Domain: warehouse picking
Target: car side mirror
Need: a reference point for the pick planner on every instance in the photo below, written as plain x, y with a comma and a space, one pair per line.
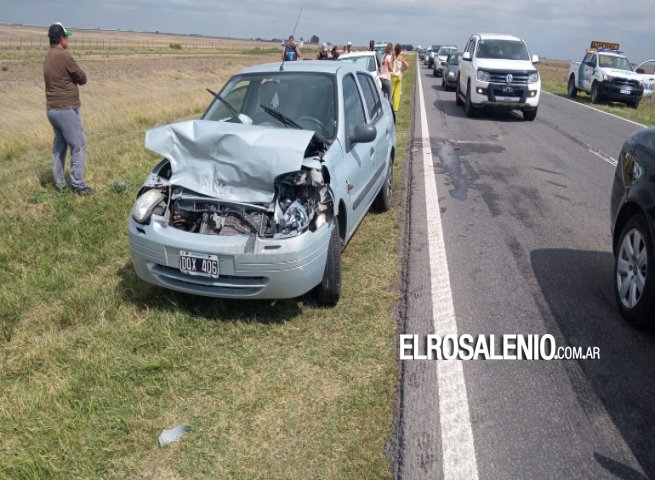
535, 58
466, 56
641, 71
364, 133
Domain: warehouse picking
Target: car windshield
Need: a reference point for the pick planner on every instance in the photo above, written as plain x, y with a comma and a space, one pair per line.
445, 51
612, 61
365, 62
454, 59
279, 100
506, 49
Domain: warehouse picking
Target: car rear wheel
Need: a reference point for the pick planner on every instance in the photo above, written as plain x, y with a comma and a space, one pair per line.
382, 202
634, 272
634, 104
328, 291
571, 90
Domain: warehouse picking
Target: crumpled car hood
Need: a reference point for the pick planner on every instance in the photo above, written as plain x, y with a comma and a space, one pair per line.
229, 161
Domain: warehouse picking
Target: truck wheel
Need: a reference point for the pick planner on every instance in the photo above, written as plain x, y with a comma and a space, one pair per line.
529, 115
634, 104
329, 290
572, 90
468, 105
595, 96
458, 99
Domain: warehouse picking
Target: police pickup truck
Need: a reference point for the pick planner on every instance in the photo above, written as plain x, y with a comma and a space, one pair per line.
605, 74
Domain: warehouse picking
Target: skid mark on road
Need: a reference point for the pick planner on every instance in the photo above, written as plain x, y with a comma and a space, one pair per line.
458, 451
603, 156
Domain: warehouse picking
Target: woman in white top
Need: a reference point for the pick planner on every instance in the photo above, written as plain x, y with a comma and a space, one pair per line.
385, 70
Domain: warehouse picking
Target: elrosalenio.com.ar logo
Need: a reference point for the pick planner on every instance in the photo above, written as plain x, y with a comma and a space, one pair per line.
490, 347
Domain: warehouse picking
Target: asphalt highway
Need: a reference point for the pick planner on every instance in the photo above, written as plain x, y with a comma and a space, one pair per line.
525, 223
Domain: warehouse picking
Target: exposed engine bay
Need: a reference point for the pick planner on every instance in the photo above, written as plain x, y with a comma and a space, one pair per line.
302, 202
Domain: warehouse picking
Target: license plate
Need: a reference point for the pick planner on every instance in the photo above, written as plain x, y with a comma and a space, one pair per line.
199, 264
626, 91
507, 99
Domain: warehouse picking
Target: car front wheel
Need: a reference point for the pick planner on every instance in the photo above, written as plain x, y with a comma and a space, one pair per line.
634, 274
328, 291
595, 94
458, 99
468, 105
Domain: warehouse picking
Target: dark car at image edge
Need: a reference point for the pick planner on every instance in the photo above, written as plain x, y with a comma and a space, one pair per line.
633, 228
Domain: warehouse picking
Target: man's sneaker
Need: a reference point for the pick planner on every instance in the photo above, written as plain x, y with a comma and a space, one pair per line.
61, 188
85, 191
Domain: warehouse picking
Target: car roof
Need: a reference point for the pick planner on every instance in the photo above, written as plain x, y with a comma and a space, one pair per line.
366, 53
304, 66
497, 36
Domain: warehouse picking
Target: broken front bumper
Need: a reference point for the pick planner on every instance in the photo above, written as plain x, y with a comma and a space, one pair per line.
249, 267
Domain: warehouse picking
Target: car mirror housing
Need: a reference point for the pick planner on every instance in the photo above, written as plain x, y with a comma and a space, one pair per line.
640, 71
364, 133
535, 58
466, 56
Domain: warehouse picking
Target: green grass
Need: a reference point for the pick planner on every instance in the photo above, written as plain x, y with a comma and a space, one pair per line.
94, 363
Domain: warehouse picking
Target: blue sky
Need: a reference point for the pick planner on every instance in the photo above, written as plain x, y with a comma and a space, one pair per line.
552, 28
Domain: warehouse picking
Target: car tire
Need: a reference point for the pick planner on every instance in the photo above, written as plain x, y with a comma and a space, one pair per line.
595, 95
434, 72
382, 202
443, 82
529, 115
638, 308
634, 104
571, 89
469, 109
458, 99
328, 291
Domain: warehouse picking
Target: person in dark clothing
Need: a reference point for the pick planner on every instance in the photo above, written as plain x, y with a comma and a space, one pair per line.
62, 76
291, 52
323, 53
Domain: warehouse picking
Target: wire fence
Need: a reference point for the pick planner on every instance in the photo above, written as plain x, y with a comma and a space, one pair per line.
33, 42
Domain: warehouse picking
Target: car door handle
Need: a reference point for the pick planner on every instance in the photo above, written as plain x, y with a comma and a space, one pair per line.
372, 151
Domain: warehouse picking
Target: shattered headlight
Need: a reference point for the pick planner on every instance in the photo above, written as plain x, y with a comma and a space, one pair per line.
145, 204
295, 217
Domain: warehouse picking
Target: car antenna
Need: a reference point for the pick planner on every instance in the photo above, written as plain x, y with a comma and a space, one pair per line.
292, 34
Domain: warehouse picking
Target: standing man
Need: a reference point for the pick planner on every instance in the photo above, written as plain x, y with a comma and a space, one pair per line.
291, 51
349, 47
62, 75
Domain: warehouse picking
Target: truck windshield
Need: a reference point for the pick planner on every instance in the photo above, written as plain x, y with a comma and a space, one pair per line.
507, 49
611, 61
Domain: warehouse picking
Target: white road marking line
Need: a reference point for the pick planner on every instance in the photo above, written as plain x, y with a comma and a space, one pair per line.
594, 109
603, 156
459, 462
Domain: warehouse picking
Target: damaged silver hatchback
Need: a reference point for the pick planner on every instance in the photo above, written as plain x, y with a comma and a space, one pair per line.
258, 198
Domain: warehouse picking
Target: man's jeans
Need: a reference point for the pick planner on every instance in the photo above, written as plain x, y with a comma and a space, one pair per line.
68, 129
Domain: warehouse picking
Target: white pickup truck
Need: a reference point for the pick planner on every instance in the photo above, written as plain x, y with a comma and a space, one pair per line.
606, 75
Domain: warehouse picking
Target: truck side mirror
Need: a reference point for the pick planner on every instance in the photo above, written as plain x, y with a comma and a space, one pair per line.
466, 56
535, 58
641, 71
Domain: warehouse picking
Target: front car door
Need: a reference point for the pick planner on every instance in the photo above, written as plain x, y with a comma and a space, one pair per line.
359, 156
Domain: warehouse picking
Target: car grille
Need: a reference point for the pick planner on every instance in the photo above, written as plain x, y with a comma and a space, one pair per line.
223, 285
517, 77
625, 82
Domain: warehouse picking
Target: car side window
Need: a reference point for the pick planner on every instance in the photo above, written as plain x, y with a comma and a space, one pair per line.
353, 108
371, 97
587, 58
592, 61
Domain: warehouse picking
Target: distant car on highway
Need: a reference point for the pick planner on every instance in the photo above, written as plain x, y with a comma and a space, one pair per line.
431, 54
258, 197
633, 227
440, 59
451, 70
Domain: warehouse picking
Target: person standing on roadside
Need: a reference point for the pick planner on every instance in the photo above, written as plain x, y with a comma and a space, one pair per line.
385, 70
62, 76
323, 53
291, 52
349, 47
400, 66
